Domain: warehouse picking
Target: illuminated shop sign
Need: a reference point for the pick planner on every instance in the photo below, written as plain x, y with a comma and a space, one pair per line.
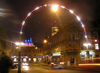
17, 56
83, 53
56, 54
90, 53
28, 42
39, 57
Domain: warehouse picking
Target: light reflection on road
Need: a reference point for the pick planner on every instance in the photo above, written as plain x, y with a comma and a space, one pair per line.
26, 67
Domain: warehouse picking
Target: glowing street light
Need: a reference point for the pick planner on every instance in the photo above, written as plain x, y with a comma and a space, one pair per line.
17, 43
54, 7
96, 40
21, 32
35, 47
45, 41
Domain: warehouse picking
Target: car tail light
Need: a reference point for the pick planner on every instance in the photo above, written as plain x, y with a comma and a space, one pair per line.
52, 63
61, 62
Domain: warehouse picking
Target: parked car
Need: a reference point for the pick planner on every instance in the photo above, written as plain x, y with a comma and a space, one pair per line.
14, 66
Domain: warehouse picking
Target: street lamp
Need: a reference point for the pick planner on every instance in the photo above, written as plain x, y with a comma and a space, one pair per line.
19, 60
45, 41
35, 47
54, 7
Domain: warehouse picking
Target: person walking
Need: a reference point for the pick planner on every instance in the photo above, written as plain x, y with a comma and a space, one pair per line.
5, 63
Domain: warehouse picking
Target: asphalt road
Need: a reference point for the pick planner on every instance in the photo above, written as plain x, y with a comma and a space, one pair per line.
38, 68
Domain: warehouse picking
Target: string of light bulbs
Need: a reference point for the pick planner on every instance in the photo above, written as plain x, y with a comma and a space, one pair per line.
45, 5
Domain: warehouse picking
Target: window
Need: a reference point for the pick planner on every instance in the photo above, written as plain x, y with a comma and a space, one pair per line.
34, 50
24, 59
29, 50
89, 47
72, 60
82, 56
15, 59
69, 44
25, 50
29, 59
97, 55
62, 47
73, 36
34, 54
81, 36
96, 46
95, 35
29, 55
69, 36
39, 50
82, 47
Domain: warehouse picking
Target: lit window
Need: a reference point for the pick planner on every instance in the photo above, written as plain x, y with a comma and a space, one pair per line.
69, 36
81, 36
95, 35
73, 36
96, 46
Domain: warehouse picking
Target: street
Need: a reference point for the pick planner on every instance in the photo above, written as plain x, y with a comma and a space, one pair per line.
38, 68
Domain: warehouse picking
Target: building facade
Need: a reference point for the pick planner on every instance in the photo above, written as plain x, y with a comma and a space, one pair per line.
71, 45
4, 41
28, 54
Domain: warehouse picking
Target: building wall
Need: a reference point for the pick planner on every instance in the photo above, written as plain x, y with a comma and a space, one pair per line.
28, 53
69, 41
4, 41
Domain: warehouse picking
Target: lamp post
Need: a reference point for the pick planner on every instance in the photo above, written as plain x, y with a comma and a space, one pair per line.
45, 41
19, 60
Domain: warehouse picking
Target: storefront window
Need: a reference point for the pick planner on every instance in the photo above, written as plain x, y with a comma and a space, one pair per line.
15, 59
29, 59
34, 59
24, 59
96, 46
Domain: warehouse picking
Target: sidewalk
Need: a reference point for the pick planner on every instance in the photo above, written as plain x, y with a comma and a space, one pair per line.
72, 67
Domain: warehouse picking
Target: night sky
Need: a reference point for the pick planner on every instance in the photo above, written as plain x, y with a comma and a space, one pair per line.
38, 25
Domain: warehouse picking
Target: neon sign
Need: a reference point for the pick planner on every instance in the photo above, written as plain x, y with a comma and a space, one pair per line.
28, 42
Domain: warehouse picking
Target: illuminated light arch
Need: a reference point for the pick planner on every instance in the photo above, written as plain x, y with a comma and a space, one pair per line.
78, 18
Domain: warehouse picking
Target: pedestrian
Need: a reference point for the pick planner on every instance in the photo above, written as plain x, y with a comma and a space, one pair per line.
5, 63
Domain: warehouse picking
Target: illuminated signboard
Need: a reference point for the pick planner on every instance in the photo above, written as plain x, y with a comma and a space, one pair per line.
28, 42
56, 54
17, 56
